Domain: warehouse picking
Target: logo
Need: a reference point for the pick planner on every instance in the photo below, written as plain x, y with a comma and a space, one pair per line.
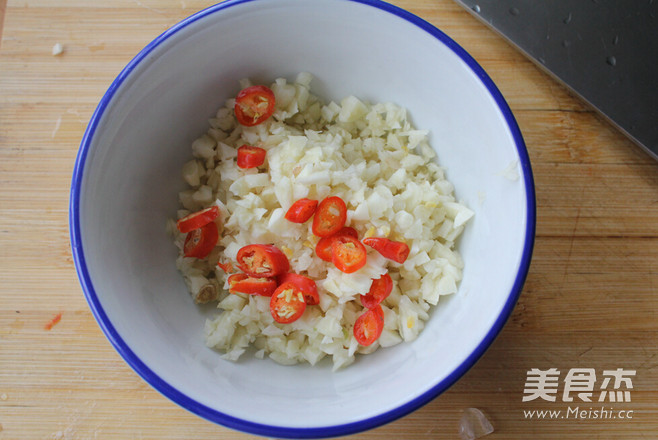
580, 385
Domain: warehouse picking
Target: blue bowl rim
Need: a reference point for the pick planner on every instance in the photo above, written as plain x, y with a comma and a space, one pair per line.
277, 431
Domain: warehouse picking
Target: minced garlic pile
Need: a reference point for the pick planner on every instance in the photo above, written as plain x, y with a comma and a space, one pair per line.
371, 157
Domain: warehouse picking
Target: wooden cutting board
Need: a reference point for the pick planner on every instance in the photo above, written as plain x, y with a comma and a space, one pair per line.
590, 300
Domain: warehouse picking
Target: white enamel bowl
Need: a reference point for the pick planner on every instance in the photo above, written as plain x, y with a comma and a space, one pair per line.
126, 181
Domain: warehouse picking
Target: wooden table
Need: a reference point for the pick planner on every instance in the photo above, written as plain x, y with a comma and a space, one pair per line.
590, 300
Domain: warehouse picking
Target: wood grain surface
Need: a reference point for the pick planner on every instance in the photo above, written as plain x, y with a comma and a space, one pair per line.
590, 300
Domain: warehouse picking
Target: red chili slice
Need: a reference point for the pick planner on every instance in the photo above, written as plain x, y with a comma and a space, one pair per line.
301, 210
241, 282
226, 267
329, 217
348, 230
262, 260
369, 326
201, 241
347, 253
287, 303
197, 219
251, 157
323, 248
306, 285
254, 105
393, 250
53, 322
379, 311
379, 291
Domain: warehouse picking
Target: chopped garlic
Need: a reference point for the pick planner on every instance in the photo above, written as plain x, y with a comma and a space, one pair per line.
58, 49
381, 166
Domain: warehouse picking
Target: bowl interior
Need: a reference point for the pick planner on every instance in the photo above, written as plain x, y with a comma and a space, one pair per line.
128, 176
